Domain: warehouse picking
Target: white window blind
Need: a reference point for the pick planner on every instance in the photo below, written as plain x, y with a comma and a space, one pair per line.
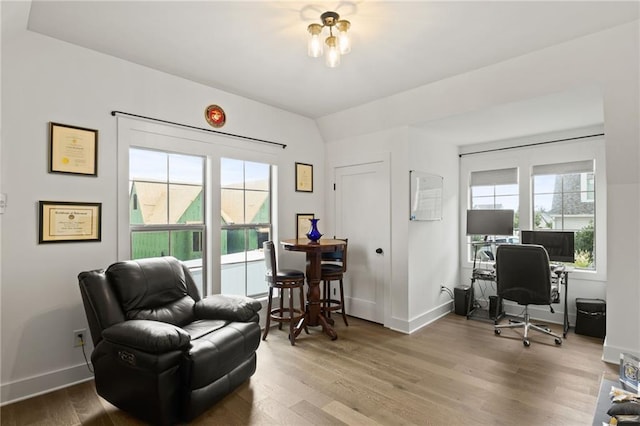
494, 177
563, 168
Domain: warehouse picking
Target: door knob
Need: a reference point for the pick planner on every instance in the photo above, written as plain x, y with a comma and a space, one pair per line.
379, 250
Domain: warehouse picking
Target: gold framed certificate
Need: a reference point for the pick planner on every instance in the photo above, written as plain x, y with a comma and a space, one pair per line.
303, 224
62, 221
304, 177
73, 150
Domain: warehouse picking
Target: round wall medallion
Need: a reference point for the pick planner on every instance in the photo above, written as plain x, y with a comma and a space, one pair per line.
215, 115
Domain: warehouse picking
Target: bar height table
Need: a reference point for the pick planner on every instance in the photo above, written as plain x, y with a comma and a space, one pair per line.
313, 315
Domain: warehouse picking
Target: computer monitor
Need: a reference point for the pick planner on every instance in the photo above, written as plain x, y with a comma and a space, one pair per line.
559, 244
489, 222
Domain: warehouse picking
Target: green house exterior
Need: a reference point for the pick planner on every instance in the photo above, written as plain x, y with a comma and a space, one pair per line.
188, 244
183, 244
233, 240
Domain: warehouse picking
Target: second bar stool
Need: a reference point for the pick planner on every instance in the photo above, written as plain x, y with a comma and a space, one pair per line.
334, 265
283, 279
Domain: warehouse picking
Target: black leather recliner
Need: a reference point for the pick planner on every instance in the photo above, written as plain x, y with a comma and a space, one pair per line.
161, 352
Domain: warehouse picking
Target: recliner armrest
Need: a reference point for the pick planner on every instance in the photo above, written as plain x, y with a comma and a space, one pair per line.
227, 307
148, 336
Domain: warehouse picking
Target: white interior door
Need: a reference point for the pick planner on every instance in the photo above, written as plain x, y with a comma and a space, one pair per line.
362, 216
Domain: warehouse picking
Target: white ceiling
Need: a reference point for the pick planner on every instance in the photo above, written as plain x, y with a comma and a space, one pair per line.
258, 49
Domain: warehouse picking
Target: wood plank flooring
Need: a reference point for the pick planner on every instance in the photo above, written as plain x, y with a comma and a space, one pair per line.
452, 372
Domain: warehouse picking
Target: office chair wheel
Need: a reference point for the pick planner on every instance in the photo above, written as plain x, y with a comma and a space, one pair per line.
558, 341
497, 331
526, 343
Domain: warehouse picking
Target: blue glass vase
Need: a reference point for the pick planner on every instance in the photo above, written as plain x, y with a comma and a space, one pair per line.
313, 234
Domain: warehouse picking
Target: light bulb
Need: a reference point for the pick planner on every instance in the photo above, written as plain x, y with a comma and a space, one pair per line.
344, 41
332, 55
314, 46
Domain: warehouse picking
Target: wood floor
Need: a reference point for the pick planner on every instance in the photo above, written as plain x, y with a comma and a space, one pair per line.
452, 372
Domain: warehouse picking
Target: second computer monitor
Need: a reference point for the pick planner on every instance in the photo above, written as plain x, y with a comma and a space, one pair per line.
559, 244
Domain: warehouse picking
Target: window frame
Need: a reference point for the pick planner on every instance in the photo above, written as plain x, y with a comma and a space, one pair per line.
247, 226
133, 132
171, 227
564, 171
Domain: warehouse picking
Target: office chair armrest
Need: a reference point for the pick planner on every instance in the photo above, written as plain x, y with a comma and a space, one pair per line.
227, 307
149, 336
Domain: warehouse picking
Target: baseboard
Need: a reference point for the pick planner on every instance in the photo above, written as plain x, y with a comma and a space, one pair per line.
415, 324
37, 385
611, 354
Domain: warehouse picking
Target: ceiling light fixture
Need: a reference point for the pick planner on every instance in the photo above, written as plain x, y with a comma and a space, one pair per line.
337, 45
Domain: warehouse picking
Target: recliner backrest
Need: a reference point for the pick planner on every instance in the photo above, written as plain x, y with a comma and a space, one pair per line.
100, 303
523, 274
153, 289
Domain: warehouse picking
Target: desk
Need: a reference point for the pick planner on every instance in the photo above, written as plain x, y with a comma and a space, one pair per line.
562, 275
474, 312
313, 315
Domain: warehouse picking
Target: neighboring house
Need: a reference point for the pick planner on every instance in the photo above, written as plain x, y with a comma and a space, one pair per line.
572, 207
253, 209
148, 206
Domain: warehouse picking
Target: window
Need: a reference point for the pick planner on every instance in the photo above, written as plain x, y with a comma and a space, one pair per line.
245, 196
493, 190
562, 186
166, 207
564, 199
587, 187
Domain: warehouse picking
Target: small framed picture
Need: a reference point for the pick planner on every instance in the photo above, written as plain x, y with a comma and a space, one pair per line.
73, 150
304, 177
63, 221
302, 221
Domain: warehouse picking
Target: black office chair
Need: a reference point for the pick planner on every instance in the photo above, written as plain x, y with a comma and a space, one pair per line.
523, 275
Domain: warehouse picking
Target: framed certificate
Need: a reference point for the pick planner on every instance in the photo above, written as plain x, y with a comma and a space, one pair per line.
304, 177
62, 221
303, 224
73, 150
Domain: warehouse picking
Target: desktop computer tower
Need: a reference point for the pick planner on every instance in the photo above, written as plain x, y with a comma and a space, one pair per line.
463, 299
495, 306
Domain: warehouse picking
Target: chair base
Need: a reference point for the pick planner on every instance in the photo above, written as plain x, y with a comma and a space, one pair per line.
527, 325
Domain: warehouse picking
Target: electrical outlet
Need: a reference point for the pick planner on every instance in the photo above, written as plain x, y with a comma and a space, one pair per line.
79, 337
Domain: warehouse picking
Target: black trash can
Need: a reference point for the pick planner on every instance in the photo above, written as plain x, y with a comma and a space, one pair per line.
591, 317
463, 298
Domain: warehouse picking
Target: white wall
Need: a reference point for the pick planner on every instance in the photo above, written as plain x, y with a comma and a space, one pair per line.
423, 254
45, 80
430, 243
608, 60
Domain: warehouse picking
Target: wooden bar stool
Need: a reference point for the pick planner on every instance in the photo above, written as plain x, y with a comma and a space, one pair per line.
285, 281
334, 265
